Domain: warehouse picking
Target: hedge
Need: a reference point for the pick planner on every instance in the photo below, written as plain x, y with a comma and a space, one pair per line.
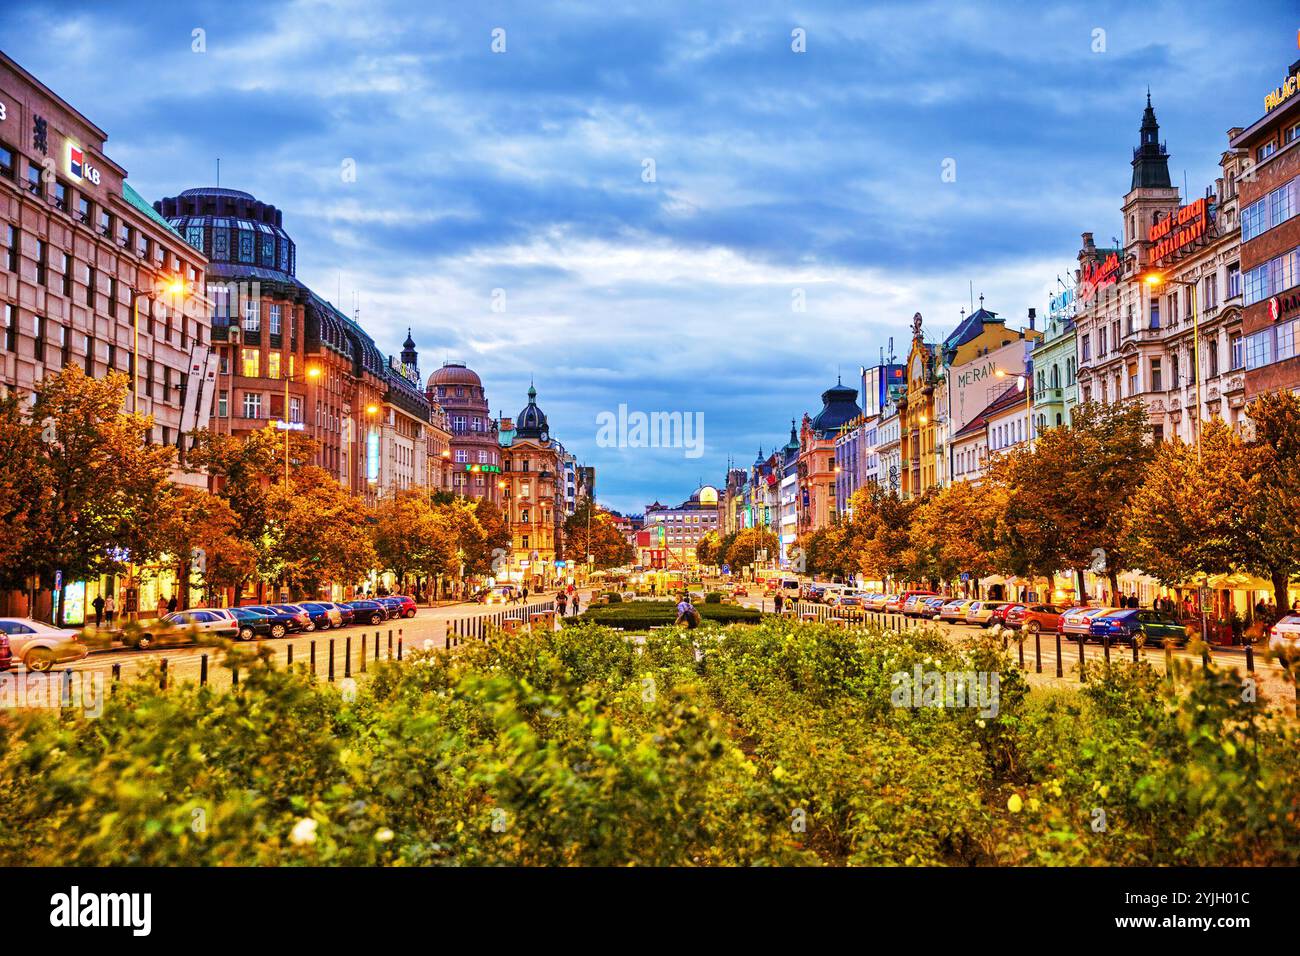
641, 615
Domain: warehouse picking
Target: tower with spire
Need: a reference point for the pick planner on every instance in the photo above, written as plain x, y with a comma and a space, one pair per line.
410, 357
1152, 196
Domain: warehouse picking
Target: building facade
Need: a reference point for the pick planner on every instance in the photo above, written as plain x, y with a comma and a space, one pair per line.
818, 502
474, 441
532, 494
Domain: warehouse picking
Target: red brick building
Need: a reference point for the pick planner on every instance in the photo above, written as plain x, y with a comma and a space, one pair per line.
1270, 240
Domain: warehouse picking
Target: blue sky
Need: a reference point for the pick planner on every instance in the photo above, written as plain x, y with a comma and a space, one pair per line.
774, 171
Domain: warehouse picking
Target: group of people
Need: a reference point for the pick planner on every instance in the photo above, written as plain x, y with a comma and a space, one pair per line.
566, 598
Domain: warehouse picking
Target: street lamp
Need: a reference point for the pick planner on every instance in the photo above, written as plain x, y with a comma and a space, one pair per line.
173, 285
313, 372
1022, 382
1153, 279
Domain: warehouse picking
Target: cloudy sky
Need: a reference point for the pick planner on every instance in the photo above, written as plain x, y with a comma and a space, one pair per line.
649, 184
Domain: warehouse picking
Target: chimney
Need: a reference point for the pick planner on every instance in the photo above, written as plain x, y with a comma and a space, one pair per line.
1033, 314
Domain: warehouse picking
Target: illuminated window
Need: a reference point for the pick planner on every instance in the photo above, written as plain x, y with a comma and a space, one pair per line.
252, 363
273, 363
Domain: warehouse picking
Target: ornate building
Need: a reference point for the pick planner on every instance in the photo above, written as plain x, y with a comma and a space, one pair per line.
475, 449
918, 464
817, 503
533, 495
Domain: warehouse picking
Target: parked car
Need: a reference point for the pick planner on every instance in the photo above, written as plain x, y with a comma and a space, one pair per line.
212, 622
955, 610
911, 597
369, 612
1034, 618
292, 620
346, 614
981, 612
876, 602
847, 601
400, 605
6, 653
930, 607
999, 615
251, 624
322, 614
1078, 621
501, 594
39, 645
1126, 625
1284, 636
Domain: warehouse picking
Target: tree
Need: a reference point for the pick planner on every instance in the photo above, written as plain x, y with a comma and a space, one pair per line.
200, 533
955, 529
317, 533
1274, 516
706, 551
410, 535
1189, 517
20, 489
101, 485
591, 530
879, 538
482, 532
750, 541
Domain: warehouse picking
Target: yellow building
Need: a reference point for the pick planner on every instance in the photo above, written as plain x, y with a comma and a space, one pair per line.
918, 466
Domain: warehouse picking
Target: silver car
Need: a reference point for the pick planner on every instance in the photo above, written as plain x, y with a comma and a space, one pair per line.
39, 645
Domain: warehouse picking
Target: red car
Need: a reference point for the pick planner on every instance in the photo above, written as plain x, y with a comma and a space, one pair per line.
6, 655
740, 591
409, 607
1034, 617
999, 616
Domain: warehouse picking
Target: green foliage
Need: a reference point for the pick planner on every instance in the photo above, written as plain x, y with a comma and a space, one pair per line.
640, 615
778, 743
713, 597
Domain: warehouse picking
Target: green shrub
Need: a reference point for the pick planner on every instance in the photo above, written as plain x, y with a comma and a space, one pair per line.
713, 597
642, 615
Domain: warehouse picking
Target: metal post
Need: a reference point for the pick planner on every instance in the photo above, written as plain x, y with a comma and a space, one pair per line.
347, 656
1083, 675
331, 672
1250, 658
234, 676
399, 648
390, 644
117, 678
1020, 650
313, 658
1038, 653
288, 656
162, 675
203, 670
1059, 663
1105, 644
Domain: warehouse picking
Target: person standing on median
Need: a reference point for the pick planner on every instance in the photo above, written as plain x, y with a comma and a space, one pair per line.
560, 600
110, 610
98, 605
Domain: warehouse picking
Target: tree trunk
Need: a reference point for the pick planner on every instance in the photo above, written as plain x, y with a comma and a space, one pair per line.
1114, 586
1083, 588
1051, 587
1280, 581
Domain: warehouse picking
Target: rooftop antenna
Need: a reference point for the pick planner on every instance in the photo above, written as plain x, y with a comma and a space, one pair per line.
218, 172
972, 295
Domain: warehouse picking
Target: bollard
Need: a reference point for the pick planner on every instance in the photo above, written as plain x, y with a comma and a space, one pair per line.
331, 671
363, 653
234, 676
288, 655
65, 696
390, 644
162, 675
376, 645
1038, 652
1020, 649
1135, 652
203, 670
1105, 646
313, 658
448, 642
1083, 674
117, 678
399, 648
1250, 657
347, 657
1059, 669
1169, 659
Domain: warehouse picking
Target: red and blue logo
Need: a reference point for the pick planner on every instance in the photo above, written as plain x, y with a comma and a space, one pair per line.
76, 159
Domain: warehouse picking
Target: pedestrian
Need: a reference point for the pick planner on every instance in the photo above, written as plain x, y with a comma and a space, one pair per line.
778, 601
110, 610
172, 604
686, 613
576, 603
162, 605
1295, 606
525, 592
1260, 609
98, 605
561, 599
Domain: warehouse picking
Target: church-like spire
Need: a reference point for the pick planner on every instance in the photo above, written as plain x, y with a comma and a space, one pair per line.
409, 355
1150, 159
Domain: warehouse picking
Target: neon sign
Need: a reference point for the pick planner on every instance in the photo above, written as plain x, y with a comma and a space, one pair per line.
1179, 229
1096, 276
1283, 93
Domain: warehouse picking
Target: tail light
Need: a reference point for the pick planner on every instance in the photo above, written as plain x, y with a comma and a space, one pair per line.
4, 642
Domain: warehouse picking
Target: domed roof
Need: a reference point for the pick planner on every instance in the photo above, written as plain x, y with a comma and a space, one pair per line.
839, 405
454, 373
532, 420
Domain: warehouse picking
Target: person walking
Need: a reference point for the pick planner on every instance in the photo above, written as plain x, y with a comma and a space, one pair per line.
110, 610
172, 604
98, 605
577, 598
561, 599
162, 605
779, 600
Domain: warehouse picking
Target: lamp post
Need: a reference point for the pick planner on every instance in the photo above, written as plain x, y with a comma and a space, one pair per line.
1153, 278
1024, 381
313, 372
173, 286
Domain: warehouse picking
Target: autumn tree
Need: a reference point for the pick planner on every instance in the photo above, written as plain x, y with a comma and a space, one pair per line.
318, 533
200, 536
101, 484
706, 551
954, 530
412, 536
20, 489
748, 543
1274, 517
591, 530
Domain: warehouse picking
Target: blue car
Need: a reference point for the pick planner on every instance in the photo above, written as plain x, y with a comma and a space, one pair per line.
1126, 625
368, 612
322, 615
297, 620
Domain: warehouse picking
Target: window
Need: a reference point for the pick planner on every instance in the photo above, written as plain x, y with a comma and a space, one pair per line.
67, 275
6, 162
523, 515
1156, 383
60, 196
42, 270
252, 363
1175, 370
15, 240
274, 318
252, 405
523, 490
1158, 432
92, 282
1235, 355
252, 315
85, 210
295, 409
272, 364
1265, 151
482, 458
1234, 280
1210, 292
1286, 340
112, 298
1101, 341
105, 223
34, 178
1212, 352
1259, 349
223, 404
10, 327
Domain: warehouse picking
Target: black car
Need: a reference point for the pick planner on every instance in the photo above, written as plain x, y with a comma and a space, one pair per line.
369, 612
252, 624
292, 620
322, 615
347, 616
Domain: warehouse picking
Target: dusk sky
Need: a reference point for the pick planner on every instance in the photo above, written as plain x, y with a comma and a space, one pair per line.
774, 171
